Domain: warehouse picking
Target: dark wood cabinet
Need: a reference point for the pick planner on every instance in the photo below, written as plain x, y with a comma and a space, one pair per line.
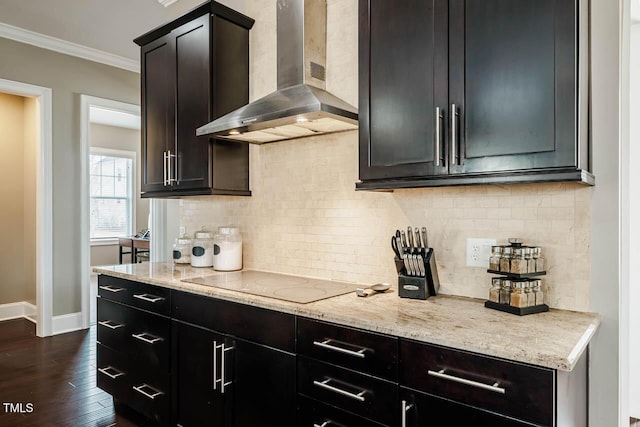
421, 409
194, 70
457, 92
224, 375
199, 400
134, 346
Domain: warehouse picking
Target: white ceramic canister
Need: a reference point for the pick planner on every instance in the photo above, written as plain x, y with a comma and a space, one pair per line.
182, 250
227, 249
202, 250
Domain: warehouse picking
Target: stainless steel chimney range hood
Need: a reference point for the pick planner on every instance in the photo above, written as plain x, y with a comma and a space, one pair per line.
301, 106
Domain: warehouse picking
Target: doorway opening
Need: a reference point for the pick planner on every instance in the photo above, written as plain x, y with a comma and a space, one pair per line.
36, 199
111, 206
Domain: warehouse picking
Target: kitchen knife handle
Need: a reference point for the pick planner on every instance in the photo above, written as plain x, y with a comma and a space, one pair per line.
405, 409
410, 238
438, 138
454, 134
425, 241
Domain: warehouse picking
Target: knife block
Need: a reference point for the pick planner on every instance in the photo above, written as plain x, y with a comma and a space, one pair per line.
419, 287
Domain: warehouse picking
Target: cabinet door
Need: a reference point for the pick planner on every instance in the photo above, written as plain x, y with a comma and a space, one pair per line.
403, 83
425, 410
197, 403
158, 83
192, 62
263, 386
513, 82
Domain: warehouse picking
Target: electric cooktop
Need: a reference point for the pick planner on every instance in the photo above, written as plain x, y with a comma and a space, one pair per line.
302, 290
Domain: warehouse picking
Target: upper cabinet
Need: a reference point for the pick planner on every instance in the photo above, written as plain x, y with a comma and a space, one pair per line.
456, 92
193, 70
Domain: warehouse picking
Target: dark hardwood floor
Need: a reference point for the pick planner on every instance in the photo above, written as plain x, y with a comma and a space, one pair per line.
52, 381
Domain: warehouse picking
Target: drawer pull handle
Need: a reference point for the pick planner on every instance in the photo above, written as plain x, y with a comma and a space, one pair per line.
148, 297
327, 423
145, 338
111, 288
325, 385
325, 344
155, 393
494, 387
405, 409
111, 324
109, 374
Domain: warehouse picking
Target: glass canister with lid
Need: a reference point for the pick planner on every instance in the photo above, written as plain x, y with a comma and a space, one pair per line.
182, 250
227, 249
202, 250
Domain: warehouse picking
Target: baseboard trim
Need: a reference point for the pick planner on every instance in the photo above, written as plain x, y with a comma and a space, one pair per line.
66, 323
17, 310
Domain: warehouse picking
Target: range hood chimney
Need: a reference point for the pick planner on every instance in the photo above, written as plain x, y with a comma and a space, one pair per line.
301, 106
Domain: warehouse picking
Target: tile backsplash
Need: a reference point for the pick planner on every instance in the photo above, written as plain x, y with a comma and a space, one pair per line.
305, 217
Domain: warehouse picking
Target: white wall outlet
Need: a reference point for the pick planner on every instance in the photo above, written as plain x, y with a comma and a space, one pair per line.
479, 251
183, 230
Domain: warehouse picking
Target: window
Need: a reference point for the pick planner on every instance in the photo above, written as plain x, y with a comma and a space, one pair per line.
111, 193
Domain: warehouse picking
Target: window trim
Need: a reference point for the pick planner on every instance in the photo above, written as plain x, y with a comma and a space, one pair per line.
112, 152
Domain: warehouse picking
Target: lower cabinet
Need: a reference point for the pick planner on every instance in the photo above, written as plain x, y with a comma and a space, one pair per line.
222, 376
421, 409
200, 400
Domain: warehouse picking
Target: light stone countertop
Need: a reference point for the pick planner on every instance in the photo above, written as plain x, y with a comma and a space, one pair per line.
555, 339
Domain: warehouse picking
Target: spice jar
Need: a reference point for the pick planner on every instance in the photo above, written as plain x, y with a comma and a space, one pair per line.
528, 257
505, 291
518, 297
505, 259
494, 259
494, 292
528, 291
202, 251
537, 291
518, 264
537, 255
182, 250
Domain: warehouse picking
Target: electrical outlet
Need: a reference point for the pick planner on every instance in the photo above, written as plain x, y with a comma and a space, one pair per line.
479, 251
183, 230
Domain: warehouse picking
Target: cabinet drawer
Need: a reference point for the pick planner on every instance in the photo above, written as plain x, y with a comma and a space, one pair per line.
113, 374
113, 325
355, 349
312, 413
259, 325
509, 388
150, 395
149, 340
360, 394
141, 295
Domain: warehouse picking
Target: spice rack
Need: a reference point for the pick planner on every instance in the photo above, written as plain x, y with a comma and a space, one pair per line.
516, 290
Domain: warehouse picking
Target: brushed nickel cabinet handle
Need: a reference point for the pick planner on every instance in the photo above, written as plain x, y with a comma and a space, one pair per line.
111, 324
111, 288
144, 338
155, 393
148, 297
405, 409
491, 387
438, 137
325, 385
164, 169
223, 382
325, 344
106, 372
454, 134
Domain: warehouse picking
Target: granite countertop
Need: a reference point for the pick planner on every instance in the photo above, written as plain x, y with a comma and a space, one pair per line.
555, 339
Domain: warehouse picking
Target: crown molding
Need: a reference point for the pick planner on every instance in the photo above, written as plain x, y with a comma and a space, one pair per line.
68, 48
166, 3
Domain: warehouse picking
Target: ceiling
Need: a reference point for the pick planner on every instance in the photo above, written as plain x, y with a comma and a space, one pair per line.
108, 26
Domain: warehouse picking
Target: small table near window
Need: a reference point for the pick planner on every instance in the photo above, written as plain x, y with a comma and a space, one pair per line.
139, 248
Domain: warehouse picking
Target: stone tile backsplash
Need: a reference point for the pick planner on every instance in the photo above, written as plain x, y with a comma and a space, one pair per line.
306, 218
